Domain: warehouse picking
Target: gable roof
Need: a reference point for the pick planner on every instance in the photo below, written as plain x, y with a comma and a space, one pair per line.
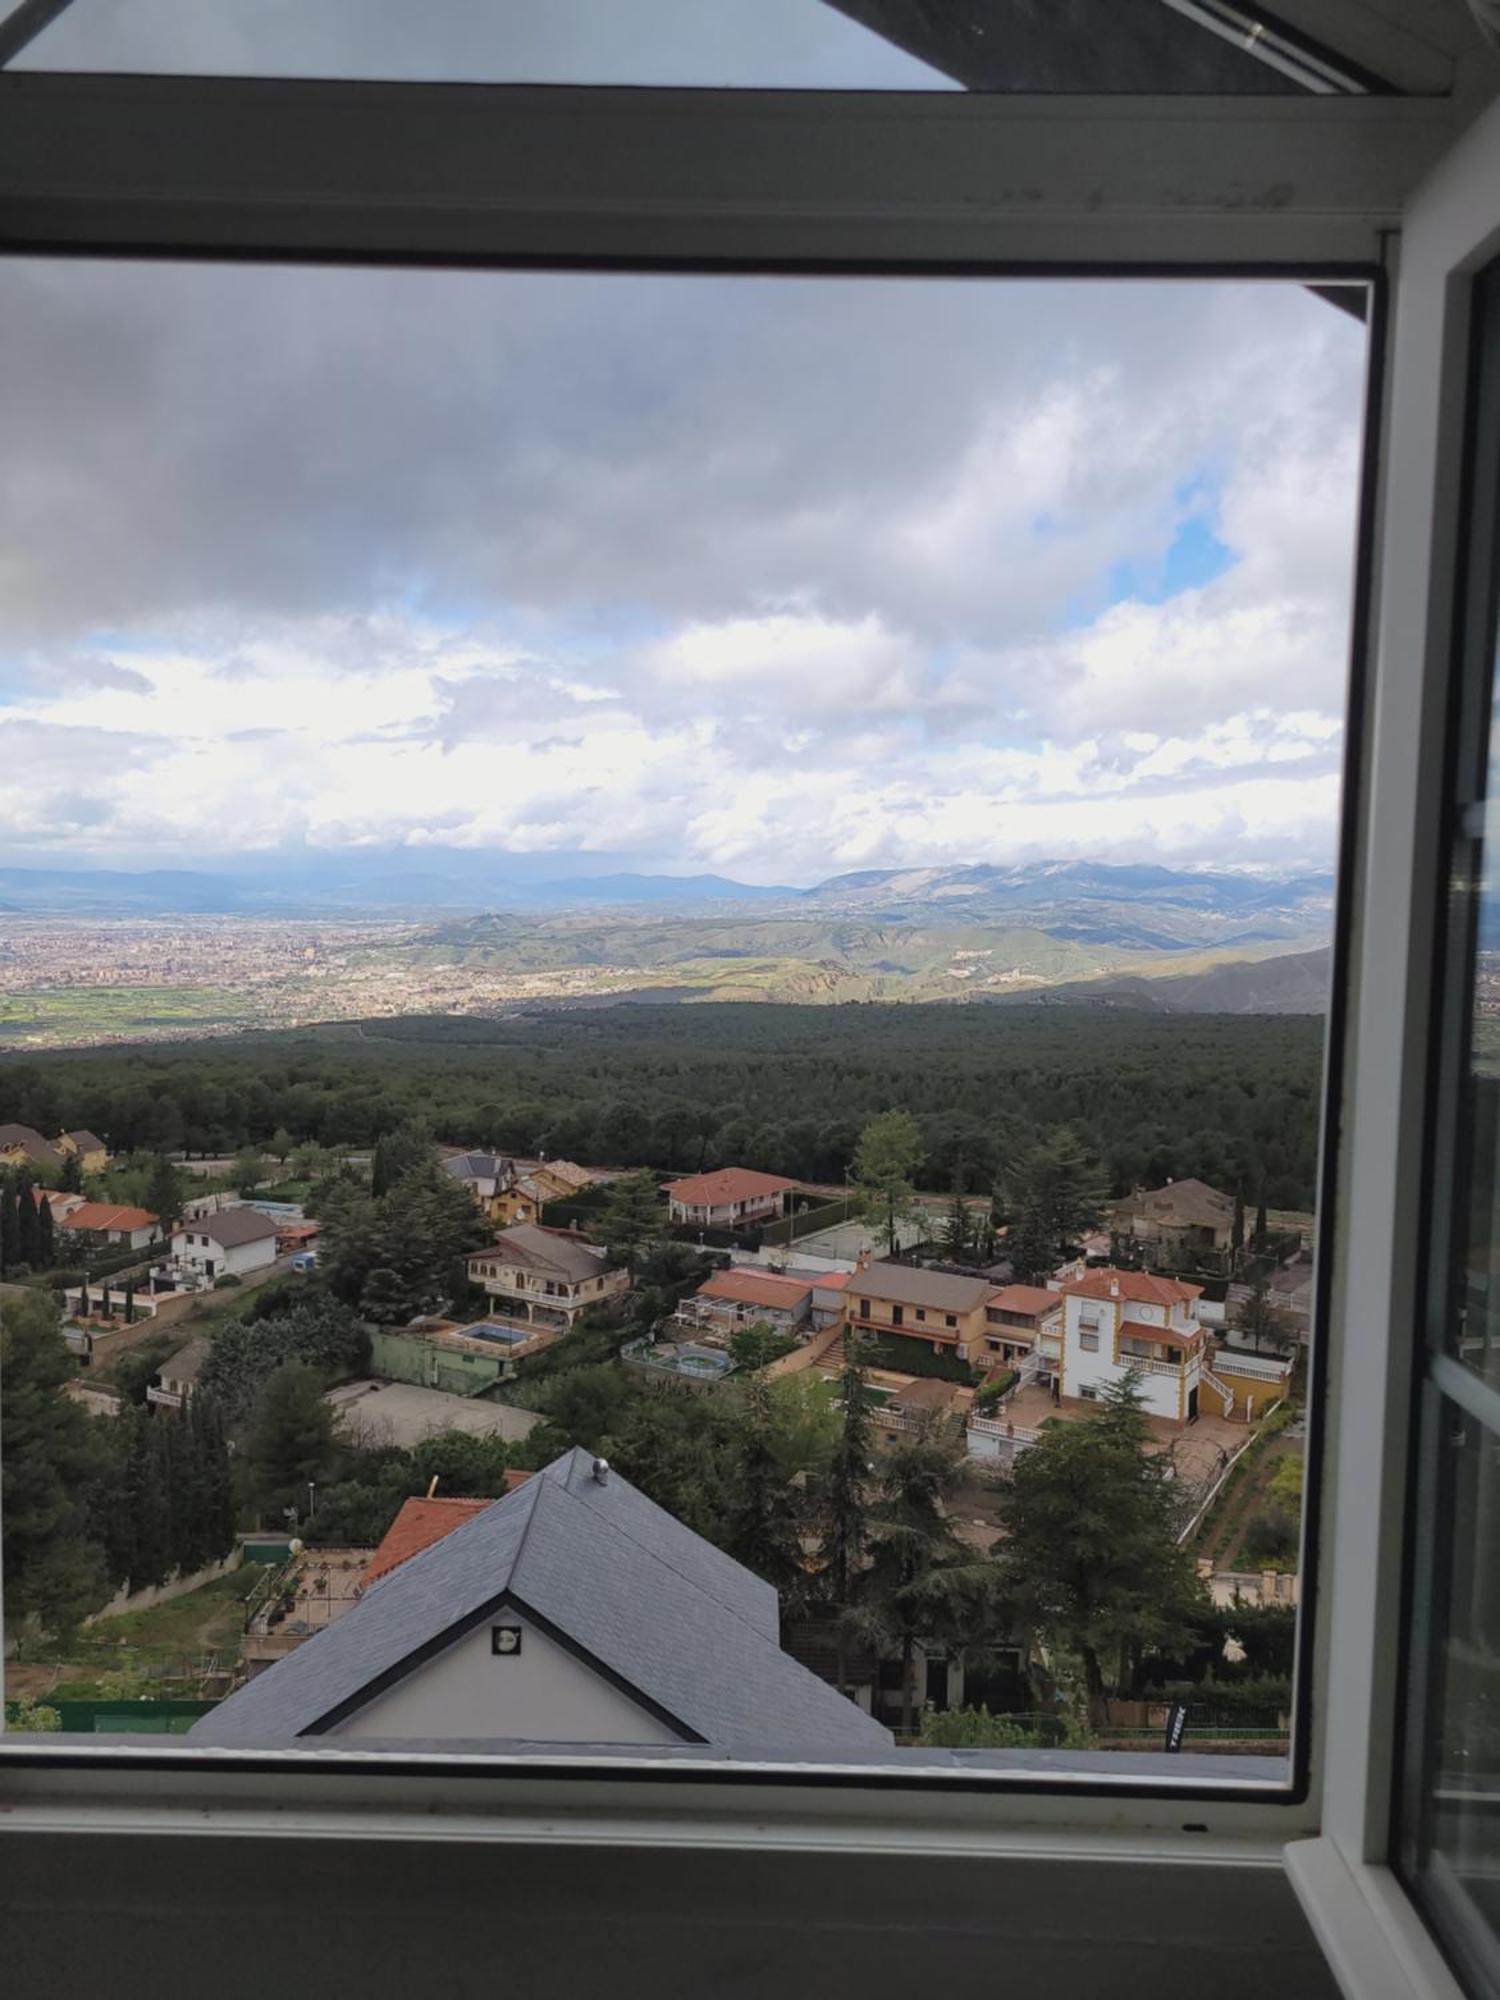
230, 1227
905, 1285
86, 1141
728, 1184
106, 1215
477, 1166
25, 1139
683, 1625
558, 1252
757, 1288
1140, 1287
1188, 1203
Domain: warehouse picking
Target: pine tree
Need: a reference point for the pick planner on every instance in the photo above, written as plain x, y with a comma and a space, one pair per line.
883, 1173
922, 1585
1090, 1558
164, 1192
632, 1218
762, 1520
956, 1229
846, 1500
150, 1553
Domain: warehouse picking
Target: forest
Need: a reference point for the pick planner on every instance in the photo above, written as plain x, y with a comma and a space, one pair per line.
1230, 1099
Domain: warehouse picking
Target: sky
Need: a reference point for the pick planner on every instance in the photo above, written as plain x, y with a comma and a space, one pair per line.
766, 577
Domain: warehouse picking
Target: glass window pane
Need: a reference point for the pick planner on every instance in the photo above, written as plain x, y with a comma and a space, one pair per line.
1453, 1845
481, 664
1449, 1836
1102, 46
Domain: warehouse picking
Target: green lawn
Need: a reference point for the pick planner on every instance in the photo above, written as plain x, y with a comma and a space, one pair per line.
165, 1640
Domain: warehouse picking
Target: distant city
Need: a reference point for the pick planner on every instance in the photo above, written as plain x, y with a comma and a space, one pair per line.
101, 956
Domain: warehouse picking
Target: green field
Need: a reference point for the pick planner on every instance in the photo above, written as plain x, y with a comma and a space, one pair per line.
100, 1013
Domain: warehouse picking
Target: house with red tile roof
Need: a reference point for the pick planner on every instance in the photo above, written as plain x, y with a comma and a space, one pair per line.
1016, 1317
748, 1296
111, 1222
731, 1198
1121, 1322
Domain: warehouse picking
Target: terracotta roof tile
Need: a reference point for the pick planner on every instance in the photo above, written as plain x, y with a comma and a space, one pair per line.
728, 1184
420, 1523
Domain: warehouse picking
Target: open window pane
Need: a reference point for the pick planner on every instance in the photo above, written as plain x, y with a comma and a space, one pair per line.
1446, 1827
662, 1008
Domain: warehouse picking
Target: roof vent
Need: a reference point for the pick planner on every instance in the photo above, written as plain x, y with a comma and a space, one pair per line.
601, 1470
1114, 1288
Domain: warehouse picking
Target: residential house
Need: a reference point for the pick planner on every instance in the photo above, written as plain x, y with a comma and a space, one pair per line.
574, 1610
229, 1243
109, 1222
1019, 1319
1118, 1321
177, 1378
944, 1311
547, 1277
745, 1296
1177, 1224
483, 1174
21, 1146
87, 1148
732, 1198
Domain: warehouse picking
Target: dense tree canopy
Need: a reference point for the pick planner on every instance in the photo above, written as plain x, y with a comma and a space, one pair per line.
1230, 1099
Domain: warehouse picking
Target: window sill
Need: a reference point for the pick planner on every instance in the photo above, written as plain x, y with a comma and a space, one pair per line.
1367, 1927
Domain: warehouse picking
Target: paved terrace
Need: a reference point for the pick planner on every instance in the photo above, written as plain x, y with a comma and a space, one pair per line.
1200, 1450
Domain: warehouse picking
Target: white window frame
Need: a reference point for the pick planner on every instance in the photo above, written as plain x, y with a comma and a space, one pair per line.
1311, 188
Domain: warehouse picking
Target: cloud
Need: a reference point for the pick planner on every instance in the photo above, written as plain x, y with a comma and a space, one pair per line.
774, 576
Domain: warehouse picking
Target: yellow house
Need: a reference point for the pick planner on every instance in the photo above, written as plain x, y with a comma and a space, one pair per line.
529, 1193
943, 1311
20, 1146
91, 1152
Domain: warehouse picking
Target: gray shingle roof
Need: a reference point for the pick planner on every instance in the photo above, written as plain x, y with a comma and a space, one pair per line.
905, 1285
233, 1226
554, 1254
31, 1143
477, 1166
675, 1618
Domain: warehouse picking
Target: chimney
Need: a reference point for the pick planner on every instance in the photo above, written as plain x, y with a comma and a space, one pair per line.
1114, 1285
862, 1261
432, 1485
601, 1471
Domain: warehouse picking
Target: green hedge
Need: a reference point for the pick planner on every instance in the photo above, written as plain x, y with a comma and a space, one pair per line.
912, 1357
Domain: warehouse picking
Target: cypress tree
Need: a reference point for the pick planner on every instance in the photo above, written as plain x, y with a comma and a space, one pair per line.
130, 1301
29, 1223
83, 1298
104, 1299
46, 1235
10, 1238
1262, 1225
146, 1506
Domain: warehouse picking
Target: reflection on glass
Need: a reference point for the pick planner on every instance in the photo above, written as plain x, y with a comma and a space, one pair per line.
1461, 1838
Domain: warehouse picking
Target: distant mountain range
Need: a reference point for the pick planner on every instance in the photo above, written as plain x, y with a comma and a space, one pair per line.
445, 932
1148, 907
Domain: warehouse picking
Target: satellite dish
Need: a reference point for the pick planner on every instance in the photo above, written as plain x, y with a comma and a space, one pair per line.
295, 1545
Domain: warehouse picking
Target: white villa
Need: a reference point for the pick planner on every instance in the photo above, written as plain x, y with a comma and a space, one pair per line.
1116, 1321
